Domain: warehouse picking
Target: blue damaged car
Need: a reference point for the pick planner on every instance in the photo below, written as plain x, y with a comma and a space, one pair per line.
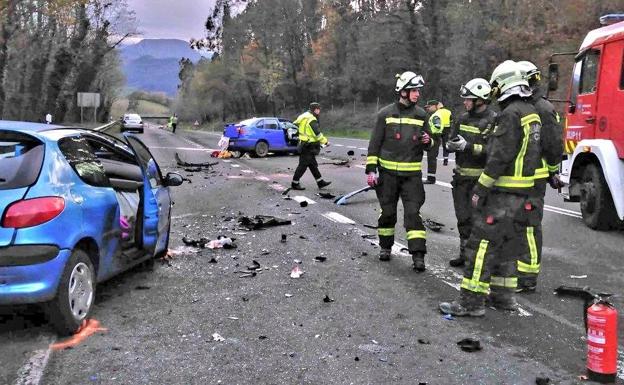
78, 207
259, 136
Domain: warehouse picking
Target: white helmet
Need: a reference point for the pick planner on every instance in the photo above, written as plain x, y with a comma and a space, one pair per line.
530, 69
477, 88
408, 80
506, 75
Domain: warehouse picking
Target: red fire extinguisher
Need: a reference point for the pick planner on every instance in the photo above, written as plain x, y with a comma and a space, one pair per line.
602, 342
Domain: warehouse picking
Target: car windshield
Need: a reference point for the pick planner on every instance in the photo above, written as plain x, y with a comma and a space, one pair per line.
21, 158
133, 117
248, 122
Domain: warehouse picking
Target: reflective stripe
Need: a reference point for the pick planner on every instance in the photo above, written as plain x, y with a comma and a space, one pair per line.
471, 129
515, 182
477, 149
506, 282
486, 180
520, 157
541, 173
557, 117
400, 166
534, 266
474, 284
552, 168
413, 234
371, 160
387, 232
531, 118
464, 171
415, 122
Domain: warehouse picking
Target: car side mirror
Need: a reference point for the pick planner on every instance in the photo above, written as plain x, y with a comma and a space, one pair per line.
553, 76
173, 179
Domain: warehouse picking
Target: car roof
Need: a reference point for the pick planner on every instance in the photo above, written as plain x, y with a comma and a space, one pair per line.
27, 126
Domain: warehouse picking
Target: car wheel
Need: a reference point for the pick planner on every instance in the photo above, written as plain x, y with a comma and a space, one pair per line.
596, 202
75, 294
261, 149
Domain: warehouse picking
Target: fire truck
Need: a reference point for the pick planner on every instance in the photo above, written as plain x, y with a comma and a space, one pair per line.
593, 163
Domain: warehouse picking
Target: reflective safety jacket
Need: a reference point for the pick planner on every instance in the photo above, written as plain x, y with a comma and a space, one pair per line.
395, 142
309, 131
440, 121
551, 136
514, 151
475, 128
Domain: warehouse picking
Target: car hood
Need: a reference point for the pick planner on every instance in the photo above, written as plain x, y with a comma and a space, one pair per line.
6, 198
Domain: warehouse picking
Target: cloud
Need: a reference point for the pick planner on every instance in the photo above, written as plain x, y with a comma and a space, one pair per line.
182, 19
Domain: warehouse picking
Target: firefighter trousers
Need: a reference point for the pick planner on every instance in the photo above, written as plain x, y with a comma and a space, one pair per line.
307, 159
462, 197
530, 258
432, 153
412, 193
490, 266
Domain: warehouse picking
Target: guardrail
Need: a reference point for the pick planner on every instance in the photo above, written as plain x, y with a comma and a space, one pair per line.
106, 127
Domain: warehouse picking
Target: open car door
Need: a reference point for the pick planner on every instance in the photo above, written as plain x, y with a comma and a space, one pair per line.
157, 201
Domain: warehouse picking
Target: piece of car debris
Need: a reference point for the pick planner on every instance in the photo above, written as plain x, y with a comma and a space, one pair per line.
326, 195
283, 238
320, 258
246, 275
542, 380
469, 345
142, 287
296, 272
233, 318
433, 225
327, 299
350, 152
212, 260
262, 221
424, 342
254, 265
217, 337
288, 295
303, 203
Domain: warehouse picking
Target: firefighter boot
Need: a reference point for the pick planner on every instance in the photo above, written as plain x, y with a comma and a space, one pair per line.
461, 259
419, 261
296, 186
502, 299
469, 305
321, 183
384, 254
526, 284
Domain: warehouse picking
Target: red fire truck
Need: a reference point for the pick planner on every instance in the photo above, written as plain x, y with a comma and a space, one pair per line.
593, 165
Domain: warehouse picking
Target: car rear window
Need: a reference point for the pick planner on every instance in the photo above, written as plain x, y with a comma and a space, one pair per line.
21, 158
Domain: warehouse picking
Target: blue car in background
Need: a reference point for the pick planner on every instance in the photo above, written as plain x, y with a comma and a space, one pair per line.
78, 207
259, 136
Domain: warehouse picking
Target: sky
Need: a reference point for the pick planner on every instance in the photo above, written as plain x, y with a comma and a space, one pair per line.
178, 19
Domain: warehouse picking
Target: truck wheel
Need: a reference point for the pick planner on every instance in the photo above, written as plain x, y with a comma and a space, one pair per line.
262, 149
75, 294
596, 202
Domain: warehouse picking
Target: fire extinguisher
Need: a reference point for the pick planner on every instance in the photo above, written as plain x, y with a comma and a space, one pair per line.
602, 342
601, 325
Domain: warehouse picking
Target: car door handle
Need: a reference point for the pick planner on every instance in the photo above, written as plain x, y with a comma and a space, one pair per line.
591, 119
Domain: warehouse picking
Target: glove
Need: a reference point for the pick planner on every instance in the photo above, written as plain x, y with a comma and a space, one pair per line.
371, 179
458, 143
479, 195
425, 138
555, 182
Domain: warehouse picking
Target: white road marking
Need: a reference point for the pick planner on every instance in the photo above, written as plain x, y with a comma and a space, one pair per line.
338, 218
360, 166
301, 198
226, 160
235, 165
32, 371
248, 171
262, 178
338, 145
351, 147
363, 148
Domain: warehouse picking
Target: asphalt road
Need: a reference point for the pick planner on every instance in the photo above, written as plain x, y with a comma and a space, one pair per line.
382, 326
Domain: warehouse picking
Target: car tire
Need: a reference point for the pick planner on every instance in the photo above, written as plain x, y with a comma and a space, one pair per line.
596, 202
75, 294
261, 149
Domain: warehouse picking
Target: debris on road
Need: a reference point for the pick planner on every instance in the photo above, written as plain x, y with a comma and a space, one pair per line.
283, 239
142, 287
303, 203
182, 163
326, 195
247, 275
199, 243
579, 276
88, 328
351, 153
217, 337
369, 236
320, 258
542, 380
296, 272
222, 242
424, 342
233, 318
254, 265
288, 295
448, 317
374, 227
212, 260
327, 299
342, 200
433, 225
262, 221
286, 191
180, 250
469, 345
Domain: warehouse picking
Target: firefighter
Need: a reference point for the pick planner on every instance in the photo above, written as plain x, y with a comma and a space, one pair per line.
310, 141
439, 124
552, 150
469, 140
501, 198
398, 140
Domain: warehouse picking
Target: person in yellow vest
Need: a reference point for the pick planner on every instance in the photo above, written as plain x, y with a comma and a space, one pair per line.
440, 125
310, 141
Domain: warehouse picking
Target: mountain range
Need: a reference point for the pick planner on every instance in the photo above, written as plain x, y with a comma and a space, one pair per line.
152, 65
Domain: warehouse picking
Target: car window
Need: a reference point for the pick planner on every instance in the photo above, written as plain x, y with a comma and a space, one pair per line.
21, 159
260, 123
589, 72
81, 158
271, 124
102, 149
147, 162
